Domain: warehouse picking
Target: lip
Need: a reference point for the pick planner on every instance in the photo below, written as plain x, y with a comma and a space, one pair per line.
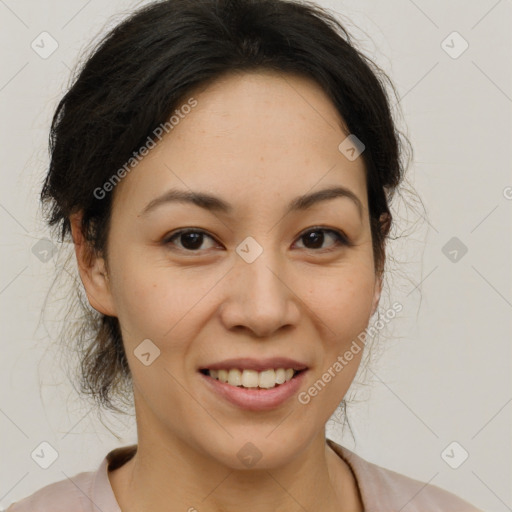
259, 365
255, 399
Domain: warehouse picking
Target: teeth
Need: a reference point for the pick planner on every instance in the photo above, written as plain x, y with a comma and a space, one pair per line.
252, 379
249, 378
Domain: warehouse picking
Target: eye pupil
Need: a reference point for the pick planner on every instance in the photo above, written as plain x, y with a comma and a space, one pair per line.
191, 241
196, 240
317, 237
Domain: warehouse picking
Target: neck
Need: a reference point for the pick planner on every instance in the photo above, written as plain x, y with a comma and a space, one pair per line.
177, 477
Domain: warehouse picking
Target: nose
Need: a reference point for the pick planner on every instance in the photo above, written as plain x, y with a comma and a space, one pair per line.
259, 297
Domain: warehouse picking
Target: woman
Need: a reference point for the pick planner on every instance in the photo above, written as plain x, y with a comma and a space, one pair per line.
224, 170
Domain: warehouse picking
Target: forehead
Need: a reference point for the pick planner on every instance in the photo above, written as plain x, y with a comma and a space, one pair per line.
280, 111
250, 137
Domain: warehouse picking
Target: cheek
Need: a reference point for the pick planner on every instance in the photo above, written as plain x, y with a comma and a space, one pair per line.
155, 301
343, 306
343, 299
151, 299
149, 307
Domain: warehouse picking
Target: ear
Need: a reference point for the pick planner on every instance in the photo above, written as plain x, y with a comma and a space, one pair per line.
376, 294
92, 268
384, 225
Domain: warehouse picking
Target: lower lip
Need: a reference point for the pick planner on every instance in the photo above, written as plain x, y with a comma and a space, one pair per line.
256, 399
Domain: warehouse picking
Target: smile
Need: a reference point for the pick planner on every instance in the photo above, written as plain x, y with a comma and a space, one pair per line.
254, 397
266, 379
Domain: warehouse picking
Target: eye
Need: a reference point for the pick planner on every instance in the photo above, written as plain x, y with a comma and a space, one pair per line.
314, 237
191, 240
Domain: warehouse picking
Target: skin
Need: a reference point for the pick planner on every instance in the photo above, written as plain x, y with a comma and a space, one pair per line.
257, 140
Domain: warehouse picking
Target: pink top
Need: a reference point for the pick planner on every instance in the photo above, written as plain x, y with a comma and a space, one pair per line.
382, 490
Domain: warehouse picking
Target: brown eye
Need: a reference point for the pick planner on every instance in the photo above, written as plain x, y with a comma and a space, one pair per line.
314, 238
191, 240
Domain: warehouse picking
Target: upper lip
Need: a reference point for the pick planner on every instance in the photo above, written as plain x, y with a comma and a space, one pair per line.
259, 365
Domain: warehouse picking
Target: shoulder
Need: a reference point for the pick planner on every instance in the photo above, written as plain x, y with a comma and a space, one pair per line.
385, 490
88, 491
67, 495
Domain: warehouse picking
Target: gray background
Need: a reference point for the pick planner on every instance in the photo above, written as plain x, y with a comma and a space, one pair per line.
443, 374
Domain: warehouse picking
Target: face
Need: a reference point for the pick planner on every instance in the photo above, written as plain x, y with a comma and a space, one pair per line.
254, 280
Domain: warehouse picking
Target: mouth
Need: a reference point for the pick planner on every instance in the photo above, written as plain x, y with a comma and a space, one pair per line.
252, 379
255, 390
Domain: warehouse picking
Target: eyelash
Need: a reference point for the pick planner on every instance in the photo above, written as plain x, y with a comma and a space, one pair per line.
341, 238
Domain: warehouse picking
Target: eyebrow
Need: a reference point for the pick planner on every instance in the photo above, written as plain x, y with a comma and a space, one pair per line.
213, 203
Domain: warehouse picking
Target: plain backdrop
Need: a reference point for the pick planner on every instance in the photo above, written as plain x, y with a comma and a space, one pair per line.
443, 374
